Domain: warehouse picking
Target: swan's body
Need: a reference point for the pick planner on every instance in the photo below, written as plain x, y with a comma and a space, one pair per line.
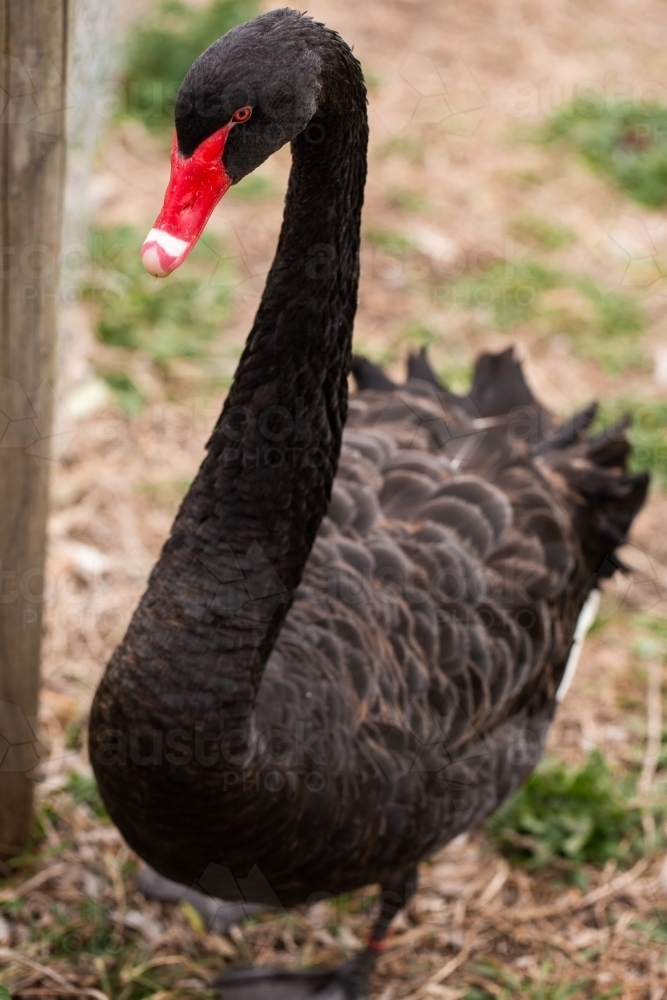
318, 689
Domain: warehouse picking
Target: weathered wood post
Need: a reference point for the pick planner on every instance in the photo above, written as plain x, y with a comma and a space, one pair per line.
33, 60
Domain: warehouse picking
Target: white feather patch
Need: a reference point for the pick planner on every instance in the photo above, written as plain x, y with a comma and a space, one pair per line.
587, 616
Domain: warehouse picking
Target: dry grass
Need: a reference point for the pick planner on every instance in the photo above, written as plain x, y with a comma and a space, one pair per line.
75, 926
454, 184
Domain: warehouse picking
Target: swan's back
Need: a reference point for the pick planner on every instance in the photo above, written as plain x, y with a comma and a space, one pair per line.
414, 679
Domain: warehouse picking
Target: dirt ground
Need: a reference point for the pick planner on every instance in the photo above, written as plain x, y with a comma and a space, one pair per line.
454, 90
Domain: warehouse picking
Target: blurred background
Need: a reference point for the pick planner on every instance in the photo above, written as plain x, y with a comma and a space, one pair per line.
516, 194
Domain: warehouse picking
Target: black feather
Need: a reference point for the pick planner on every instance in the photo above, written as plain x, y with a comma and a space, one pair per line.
370, 376
420, 367
347, 635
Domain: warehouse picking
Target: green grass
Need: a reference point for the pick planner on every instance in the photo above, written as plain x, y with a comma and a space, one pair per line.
74, 735
43, 818
532, 231
410, 201
373, 79
164, 319
602, 325
392, 242
400, 146
656, 626
540, 986
510, 290
382, 356
418, 334
130, 399
83, 789
164, 46
655, 928
624, 141
165, 493
88, 931
526, 179
254, 187
647, 433
456, 374
584, 815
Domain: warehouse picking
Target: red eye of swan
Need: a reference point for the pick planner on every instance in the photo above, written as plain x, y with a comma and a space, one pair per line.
242, 115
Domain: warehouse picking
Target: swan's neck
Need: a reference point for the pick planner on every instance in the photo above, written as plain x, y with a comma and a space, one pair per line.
224, 583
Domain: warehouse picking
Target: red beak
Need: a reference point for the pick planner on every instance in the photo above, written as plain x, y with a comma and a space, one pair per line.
196, 185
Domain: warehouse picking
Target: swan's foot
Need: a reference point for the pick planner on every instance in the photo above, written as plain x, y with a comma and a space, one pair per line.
218, 916
345, 982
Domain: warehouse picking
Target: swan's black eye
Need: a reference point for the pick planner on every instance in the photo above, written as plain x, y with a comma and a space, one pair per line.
242, 115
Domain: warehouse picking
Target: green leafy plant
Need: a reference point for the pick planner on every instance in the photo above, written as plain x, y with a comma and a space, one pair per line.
165, 320
130, 399
602, 325
73, 734
83, 789
625, 141
88, 931
42, 820
165, 45
582, 814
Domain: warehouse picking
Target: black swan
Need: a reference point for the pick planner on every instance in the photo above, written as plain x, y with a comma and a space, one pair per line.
351, 646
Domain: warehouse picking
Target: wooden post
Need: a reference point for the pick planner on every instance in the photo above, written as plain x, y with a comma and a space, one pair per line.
33, 59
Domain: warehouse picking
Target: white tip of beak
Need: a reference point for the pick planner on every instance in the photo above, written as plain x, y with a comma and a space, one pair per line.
162, 253
150, 258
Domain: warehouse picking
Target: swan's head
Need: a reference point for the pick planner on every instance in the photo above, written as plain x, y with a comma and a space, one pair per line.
248, 94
